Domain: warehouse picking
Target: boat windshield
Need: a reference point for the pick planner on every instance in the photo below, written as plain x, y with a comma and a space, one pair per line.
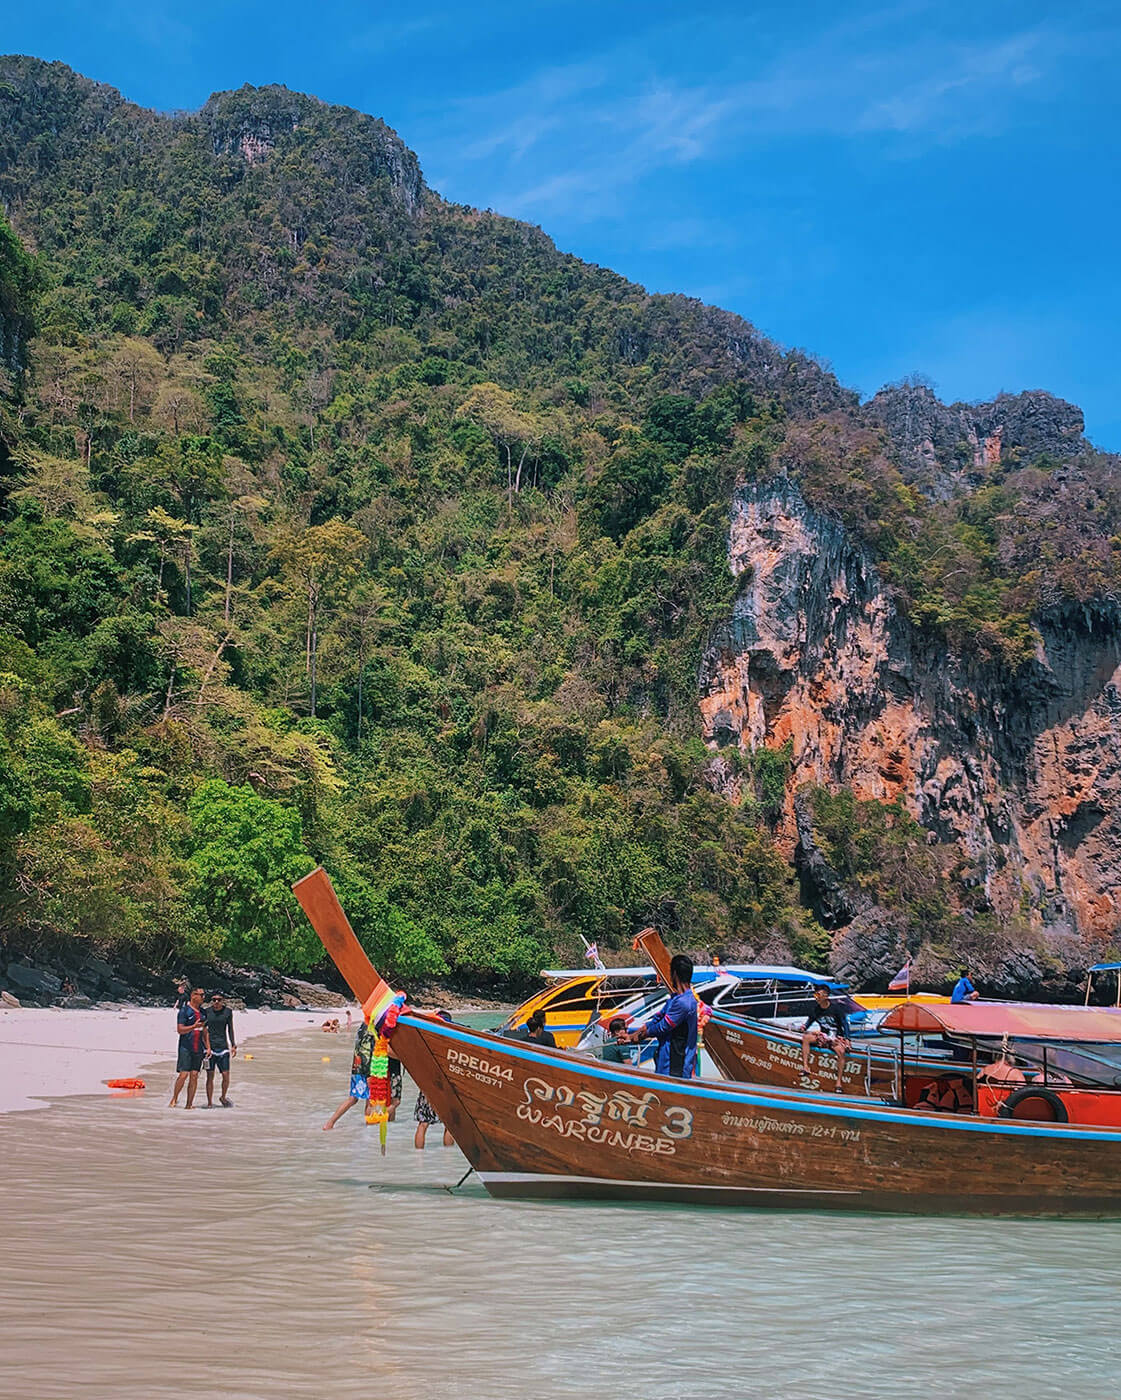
1090, 1064
637, 1008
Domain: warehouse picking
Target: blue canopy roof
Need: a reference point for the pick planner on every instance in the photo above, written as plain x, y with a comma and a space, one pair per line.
702, 974
1106, 967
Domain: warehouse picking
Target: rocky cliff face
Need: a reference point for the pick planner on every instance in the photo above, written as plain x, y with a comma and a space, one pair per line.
1022, 774
254, 121
946, 448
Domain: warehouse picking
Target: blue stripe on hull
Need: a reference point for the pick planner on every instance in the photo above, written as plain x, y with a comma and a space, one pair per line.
823, 1104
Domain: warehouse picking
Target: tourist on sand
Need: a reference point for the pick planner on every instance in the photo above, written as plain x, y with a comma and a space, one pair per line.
220, 1033
534, 1031
675, 1028
827, 1012
964, 990
193, 1045
616, 1047
425, 1114
359, 1076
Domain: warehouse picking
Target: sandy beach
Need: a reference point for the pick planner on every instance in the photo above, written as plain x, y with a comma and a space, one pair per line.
48, 1053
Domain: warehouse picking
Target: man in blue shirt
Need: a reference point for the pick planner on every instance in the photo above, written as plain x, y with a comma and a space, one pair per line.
193, 1045
675, 1028
964, 990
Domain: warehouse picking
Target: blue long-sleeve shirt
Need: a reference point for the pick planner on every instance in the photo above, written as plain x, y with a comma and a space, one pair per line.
675, 1030
963, 990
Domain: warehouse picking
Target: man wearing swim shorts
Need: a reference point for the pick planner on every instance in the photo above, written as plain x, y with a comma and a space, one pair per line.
359, 1076
220, 1029
191, 1025
827, 1012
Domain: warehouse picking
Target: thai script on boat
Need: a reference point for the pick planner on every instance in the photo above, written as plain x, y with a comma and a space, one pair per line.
805, 1081
476, 1067
791, 1128
609, 1119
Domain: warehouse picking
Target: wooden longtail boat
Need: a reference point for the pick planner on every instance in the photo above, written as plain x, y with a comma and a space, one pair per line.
1061, 1064
549, 1123
573, 1001
747, 1051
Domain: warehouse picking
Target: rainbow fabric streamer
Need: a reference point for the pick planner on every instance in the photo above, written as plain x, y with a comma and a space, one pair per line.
378, 1004
378, 1080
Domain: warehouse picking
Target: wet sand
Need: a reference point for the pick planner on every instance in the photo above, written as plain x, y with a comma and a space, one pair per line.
48, 1053
159, 1255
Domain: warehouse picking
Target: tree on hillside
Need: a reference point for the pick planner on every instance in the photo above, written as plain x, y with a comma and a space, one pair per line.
173, 539
247, 853
514, 432
323, 561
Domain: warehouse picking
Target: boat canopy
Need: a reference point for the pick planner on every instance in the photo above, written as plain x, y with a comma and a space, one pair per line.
566, 974
1105, 967
700, 974
996, 1019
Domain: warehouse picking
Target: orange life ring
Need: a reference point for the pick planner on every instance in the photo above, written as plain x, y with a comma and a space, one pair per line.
125, 1083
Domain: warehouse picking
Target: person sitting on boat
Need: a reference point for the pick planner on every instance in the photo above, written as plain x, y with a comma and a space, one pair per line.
827, 1012
616, 1047
675, 1027
964, 990
1003, 1070
534, 1031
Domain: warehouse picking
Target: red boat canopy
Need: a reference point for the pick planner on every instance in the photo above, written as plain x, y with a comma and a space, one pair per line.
994, 1019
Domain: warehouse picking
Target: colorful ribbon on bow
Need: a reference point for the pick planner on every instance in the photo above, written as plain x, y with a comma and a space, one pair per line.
377, 1110
382, 1016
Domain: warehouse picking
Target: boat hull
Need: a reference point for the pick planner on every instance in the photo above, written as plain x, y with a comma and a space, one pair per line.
549, 1124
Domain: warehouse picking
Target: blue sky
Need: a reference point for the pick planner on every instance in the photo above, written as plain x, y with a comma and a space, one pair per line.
899, 188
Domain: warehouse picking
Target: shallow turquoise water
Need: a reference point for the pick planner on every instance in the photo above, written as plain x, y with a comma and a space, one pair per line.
244, 1254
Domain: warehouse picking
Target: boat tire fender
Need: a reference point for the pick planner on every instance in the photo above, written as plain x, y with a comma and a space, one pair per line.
1033, 1091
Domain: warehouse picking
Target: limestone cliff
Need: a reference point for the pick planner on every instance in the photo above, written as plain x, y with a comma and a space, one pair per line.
946, 448
1021, 773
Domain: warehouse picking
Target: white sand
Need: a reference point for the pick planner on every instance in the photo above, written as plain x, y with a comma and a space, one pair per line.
48, 1053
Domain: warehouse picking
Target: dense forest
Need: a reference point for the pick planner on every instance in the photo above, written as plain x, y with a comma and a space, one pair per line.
343, 524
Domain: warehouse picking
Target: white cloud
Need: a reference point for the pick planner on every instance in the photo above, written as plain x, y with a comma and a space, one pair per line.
573, 139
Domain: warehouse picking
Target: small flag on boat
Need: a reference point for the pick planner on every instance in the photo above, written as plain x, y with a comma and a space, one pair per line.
591, 952
901, 982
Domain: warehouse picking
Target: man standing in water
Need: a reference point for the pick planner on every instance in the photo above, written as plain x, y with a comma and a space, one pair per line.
675, 1028
220, 1030
191, 1025
359, 1075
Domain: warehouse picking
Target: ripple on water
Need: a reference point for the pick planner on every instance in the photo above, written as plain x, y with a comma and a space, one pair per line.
153, 1254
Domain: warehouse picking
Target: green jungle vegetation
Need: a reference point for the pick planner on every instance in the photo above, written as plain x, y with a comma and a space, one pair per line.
343, 524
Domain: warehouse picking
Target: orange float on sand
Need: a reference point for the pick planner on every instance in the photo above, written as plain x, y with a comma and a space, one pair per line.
125, 1083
